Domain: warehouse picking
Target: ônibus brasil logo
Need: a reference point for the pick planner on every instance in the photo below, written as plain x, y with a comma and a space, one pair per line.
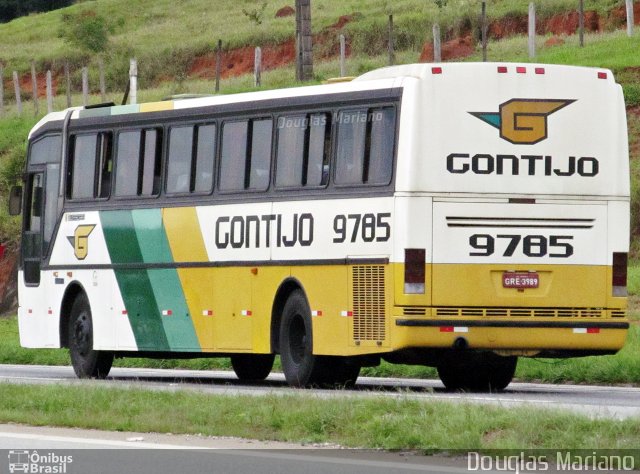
523, 121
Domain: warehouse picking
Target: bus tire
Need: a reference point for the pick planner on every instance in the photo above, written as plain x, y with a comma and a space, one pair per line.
476, 371
339, 372
301, 368
87, 362
501, 371
252, 367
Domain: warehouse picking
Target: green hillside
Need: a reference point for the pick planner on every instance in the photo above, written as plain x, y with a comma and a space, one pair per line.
168, 37
166, 34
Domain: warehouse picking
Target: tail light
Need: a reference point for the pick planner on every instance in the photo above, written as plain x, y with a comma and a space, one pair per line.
619, 274
414, 260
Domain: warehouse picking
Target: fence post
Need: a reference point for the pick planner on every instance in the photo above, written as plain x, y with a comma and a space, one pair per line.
49, 93
483, 25
343, 54
16, 88
581, 22
85, 86
218, 65
629, 17
257, 66
532, 30
103, 87
1, 90
67, 77
392, 52
133, 80
437, 48
304, 40
34, 89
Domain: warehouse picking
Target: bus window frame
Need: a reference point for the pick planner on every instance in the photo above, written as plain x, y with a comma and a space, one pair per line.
220, 146
194, 157
71, 170
334, 152
329, 150
161, 146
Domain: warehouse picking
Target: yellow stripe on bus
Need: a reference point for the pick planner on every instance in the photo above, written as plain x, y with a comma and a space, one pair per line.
187, 245
156, 106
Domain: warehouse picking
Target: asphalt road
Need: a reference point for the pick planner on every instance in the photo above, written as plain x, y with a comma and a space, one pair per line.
594, 401
69, 451
100, 452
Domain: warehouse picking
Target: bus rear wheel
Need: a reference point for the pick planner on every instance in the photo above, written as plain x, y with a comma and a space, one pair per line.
477, 371
338, 372
301, 368
252, 367
87, 362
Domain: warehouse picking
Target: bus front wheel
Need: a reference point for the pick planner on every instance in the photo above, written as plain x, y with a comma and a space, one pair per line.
252, 367
476, 371
87, 362
301, 368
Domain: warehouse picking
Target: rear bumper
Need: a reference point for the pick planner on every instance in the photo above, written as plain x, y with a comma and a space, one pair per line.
525, 336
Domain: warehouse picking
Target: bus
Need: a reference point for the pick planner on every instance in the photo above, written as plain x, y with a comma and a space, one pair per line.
450, 215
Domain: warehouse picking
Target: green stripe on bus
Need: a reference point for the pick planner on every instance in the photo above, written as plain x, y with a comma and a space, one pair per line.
125, 109
97, 112
135, 287
167, 289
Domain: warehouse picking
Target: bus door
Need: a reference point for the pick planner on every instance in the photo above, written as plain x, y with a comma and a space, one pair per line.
41, 207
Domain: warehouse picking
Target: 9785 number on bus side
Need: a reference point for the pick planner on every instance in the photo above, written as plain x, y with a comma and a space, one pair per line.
555, 246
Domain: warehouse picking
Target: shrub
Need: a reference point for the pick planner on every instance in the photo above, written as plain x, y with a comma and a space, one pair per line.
85, 30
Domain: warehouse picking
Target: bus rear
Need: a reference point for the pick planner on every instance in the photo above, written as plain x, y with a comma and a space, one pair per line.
513, 186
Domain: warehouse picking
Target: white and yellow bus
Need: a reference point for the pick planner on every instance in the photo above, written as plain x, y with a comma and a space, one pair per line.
453, 215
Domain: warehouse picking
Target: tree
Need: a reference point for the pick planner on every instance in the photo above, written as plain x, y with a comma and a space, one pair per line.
10, 9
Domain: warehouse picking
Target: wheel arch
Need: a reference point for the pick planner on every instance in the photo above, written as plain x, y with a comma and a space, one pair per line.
70, 295
287, 287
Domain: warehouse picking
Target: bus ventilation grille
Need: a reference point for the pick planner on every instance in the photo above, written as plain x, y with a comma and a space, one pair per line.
527, 312
369, 303
414, 311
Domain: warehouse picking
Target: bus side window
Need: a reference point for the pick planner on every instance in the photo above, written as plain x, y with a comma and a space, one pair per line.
151, 173
260, 156
35, 203
366, 142
303, 150
234, 155
381, 148
319, 150
105, 164
291, 149
205, 156
46, 150
82, 167
352, 134
128, 163
179, 160
245, 160
138, 163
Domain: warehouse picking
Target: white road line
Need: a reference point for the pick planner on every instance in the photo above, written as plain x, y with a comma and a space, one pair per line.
94, 442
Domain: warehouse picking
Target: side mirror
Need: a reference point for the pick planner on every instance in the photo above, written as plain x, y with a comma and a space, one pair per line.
15, 201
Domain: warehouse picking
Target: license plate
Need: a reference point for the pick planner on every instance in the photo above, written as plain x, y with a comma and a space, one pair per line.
520, 280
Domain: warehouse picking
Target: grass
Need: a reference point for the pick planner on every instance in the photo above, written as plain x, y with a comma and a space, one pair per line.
378, 422
613, 50
155, 31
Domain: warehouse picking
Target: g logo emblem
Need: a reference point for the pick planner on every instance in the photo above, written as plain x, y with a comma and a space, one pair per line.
523, 121
80, 241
